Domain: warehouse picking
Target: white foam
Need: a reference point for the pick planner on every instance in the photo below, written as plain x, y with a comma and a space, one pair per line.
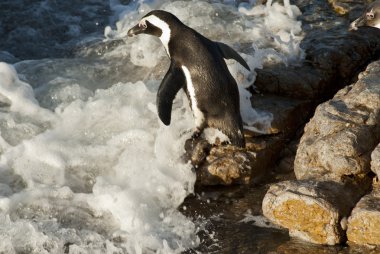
212, 135
97, 172
258, 220
20, 94
114, 148
273, 31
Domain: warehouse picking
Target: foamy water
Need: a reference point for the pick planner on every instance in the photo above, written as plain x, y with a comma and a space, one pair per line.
86, 166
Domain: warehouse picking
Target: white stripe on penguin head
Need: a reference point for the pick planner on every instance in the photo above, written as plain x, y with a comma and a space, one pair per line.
157, 22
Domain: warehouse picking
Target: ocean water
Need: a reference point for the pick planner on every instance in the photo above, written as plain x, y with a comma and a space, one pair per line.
86, 166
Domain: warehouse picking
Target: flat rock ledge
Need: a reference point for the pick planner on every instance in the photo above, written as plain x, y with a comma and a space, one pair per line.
364, 223
314, 211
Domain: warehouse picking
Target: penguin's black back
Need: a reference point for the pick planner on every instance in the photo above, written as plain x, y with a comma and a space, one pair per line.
216, 89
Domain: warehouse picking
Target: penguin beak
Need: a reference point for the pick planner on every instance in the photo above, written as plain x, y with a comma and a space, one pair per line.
137, 29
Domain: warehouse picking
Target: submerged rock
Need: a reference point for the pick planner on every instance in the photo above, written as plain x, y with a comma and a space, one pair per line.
313, 211
364, 222
336, 143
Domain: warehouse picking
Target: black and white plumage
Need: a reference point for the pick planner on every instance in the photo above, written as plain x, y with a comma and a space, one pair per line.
198, 66
370, 17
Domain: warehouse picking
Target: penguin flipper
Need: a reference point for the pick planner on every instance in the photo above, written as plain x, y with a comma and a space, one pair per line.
173, 81
229, 53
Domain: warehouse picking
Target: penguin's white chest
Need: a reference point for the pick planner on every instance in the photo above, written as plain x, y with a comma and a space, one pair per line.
199, 116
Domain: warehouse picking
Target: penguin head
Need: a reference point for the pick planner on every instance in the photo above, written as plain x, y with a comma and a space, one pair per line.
158, 23
371, 17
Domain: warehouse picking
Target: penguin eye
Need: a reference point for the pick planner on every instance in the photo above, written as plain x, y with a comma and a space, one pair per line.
370, 15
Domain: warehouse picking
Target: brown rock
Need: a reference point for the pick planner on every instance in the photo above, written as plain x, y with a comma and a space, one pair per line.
336, 143
226, 165
342, 7
313, 211
364, 222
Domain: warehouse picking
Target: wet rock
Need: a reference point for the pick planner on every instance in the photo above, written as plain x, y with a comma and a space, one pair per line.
332, 60
198, 151
226, 165
288, 113
297, 246
287, 155
364, 222
313, 211
375, 161
336, 144
343, 7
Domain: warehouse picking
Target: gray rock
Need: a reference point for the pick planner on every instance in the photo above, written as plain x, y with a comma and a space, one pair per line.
313, 211
339, 139
332, 60
375, 161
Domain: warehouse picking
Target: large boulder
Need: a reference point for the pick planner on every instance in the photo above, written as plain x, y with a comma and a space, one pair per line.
339, 139
364, 222
313, 211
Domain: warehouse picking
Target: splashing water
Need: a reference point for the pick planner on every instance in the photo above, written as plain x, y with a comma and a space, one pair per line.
86, 166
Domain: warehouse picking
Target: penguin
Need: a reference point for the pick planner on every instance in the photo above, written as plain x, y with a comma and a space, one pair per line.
196, 65
371, 17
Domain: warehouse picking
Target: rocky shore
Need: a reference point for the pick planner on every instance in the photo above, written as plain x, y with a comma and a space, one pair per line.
331, 165
309, 185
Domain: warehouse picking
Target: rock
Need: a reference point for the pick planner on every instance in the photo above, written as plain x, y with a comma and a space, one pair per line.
226, 165
343, 7
364, 222
288, 113
332, 60
336, 144
313, 211
375, 161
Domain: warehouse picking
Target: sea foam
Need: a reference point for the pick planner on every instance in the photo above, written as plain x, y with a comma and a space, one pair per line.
86, 166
